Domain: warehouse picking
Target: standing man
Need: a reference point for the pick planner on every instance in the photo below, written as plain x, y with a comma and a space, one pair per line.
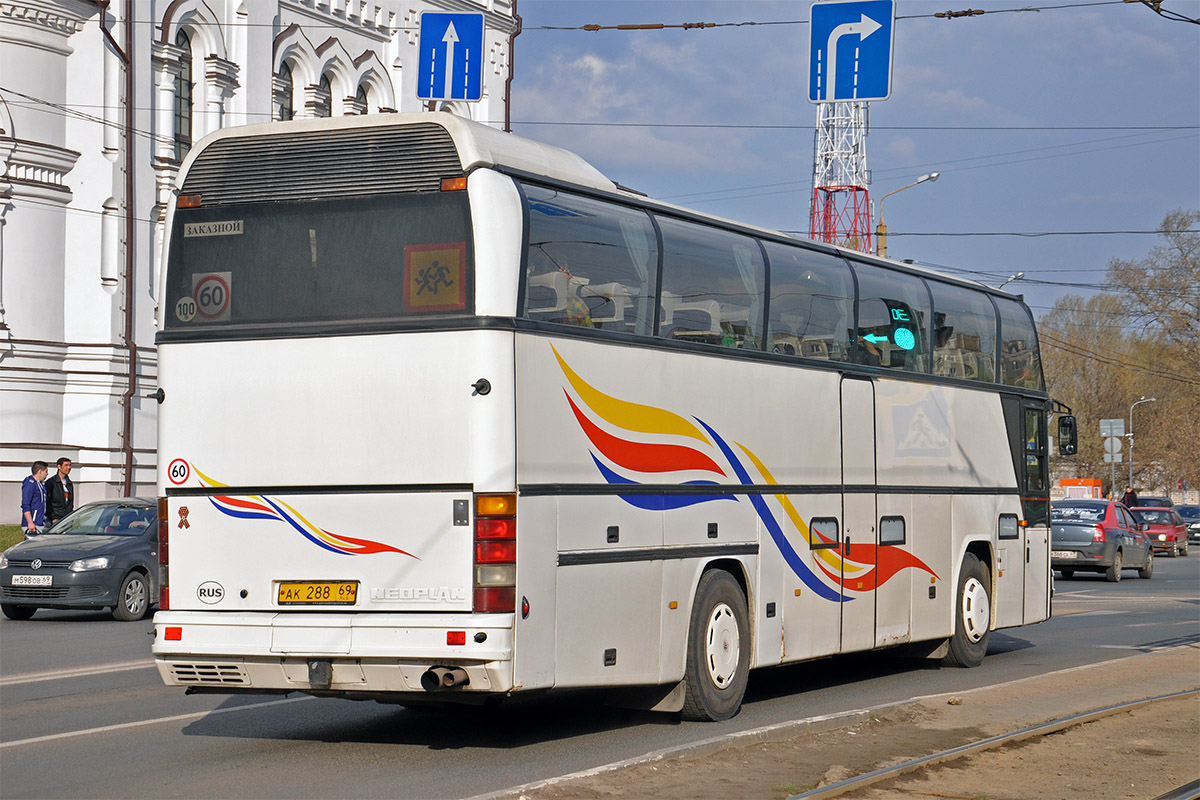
33, 500
60, 493
1130, 498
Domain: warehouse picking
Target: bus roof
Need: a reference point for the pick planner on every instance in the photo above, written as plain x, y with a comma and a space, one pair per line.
481, 145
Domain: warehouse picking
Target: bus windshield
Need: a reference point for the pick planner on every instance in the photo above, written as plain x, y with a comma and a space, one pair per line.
339, 260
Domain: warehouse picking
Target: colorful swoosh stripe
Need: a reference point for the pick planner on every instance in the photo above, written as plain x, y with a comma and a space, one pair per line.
848, 568
638, 457
272, 508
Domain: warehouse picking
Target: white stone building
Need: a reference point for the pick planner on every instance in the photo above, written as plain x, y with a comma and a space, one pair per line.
84, 140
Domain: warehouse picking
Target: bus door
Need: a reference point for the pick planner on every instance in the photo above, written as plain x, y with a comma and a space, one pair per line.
858, 514
1023, 552
1035, 492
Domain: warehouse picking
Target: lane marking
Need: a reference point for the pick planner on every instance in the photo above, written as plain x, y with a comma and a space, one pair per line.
77, 672
140, 723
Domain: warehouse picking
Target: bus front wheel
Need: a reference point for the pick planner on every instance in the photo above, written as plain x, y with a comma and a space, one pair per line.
718, 654
972, 615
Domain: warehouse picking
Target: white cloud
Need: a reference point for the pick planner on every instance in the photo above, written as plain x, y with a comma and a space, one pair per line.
903, 146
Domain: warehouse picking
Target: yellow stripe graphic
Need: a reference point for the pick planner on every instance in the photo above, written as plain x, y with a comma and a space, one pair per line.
630, 416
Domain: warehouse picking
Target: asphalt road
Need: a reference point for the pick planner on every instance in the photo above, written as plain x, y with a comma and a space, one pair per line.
83, 714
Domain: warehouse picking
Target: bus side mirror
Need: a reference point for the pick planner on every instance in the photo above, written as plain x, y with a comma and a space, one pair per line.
1068, 437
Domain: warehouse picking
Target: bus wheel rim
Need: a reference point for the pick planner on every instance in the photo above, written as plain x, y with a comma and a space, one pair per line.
975, 609
722, 646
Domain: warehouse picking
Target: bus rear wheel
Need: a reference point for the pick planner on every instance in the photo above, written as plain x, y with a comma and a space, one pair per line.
718, 654
972, 615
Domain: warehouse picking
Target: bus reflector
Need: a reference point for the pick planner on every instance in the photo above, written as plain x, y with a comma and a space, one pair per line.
495, 598
164, 556
454, 184
173, 634
456, 638
188, 201
495, 552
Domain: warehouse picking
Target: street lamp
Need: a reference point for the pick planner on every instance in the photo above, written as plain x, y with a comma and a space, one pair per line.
1130, 434
1011, 278
881, 228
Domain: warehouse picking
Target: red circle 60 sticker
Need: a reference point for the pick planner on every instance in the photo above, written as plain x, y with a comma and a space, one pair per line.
179, 471
212, 296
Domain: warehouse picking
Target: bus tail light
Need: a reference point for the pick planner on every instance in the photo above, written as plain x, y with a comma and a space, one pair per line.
495, 552
164, 556
1098, 534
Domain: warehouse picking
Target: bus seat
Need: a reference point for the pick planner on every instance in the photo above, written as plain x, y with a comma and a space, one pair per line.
608, 302
547, 292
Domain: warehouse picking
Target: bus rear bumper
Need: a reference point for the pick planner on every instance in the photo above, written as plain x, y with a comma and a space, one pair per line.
360, 654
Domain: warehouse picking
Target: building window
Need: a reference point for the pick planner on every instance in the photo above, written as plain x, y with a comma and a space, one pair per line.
183, 96
286, 87
324, 105
360, 100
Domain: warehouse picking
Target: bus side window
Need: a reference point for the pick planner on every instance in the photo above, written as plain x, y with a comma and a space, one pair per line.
589, 263
1020, 362
712, 286
964, 333
825, 530
812, 303
893, 319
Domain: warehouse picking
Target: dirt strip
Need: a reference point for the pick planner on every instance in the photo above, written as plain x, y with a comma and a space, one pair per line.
1131, 754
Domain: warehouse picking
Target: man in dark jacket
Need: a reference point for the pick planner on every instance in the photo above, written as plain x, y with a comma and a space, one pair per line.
60, 493
1130, 498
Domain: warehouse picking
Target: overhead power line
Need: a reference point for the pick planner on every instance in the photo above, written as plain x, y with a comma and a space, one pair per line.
752, 126
973, 12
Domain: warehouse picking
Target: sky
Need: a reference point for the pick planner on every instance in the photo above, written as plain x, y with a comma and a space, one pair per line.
1070, 116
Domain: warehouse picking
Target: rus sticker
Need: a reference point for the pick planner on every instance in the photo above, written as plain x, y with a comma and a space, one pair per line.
229, 227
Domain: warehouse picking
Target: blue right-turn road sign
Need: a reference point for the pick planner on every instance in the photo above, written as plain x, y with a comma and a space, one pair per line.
850, 50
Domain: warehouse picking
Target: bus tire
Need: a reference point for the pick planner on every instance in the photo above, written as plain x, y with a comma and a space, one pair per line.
972, 615
718, 650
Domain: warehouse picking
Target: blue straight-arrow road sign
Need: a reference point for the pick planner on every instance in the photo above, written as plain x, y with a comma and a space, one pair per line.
450, 58
850, 50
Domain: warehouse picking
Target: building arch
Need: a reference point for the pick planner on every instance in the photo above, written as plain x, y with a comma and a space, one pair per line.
292, 47
203, 26
371, 73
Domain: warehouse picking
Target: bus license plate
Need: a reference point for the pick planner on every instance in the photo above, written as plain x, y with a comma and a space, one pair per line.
327, 593
32, 580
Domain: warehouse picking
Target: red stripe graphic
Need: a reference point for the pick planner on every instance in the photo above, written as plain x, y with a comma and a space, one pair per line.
643, 457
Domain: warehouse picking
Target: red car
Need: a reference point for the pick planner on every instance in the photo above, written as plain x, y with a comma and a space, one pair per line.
1166, 529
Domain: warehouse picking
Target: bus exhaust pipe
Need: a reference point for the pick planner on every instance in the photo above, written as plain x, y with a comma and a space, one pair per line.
444, 678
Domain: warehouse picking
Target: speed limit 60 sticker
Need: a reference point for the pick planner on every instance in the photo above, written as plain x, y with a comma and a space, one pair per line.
178, 472
211, 294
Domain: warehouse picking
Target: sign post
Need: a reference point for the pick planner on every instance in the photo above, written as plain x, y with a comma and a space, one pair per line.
1112, 430
450, 57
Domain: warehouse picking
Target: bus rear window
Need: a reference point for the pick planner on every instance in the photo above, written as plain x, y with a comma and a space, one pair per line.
343, 260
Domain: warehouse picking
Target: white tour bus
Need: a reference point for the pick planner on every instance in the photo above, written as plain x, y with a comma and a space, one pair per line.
447, 416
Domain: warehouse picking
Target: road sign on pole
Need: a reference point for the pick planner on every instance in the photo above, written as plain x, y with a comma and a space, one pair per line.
1112, 427
450, 57
850, 50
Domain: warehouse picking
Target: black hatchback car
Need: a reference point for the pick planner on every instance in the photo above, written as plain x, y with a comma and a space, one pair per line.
103, 555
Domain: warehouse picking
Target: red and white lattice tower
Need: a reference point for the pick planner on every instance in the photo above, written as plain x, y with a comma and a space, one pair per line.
841, 208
